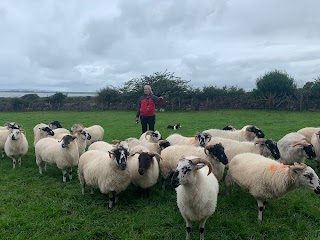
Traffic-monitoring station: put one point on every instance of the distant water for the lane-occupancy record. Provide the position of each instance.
(45, 94)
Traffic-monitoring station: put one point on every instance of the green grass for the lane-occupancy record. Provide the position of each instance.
(43, 207)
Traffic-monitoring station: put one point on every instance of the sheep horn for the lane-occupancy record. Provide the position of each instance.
(195, 161)
(115, 141)
(156, 155)
(302, 142)
(259, 140)
(140, 151)
(206, 148)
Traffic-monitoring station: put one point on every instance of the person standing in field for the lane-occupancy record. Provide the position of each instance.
(147, 109)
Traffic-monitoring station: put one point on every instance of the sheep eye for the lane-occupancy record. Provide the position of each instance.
(309, 176)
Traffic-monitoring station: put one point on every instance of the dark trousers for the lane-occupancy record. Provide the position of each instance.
(145, 121)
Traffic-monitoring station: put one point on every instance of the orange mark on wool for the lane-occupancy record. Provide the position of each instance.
(272, 167)
(154, 144)
(192, 140)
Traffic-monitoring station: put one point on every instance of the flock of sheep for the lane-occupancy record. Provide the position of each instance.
(195, 165)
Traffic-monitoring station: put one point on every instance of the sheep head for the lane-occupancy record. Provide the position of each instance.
(216, 151)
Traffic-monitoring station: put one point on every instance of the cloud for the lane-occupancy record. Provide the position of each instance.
(82, 45)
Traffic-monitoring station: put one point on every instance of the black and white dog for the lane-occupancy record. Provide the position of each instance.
(174, 127)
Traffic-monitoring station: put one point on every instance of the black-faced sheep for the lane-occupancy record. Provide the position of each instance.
(63, 153)
(106, 171)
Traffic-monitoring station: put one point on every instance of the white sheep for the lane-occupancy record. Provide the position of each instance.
(3, 138)
(247, 133)
(63, 153)
(151, 136)
(16, 145)
(265, 178)
(153, 147)
(315, 141)
(143, 167)
(262, 146)
(200, 139)
(60, 131)
(96, 132)
(107, 147)
(294, 147)
(197, 191)
(213, 153)
(308, 131)
(106, 171)
(40, 131)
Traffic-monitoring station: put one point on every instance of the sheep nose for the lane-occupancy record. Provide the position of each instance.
(141, 171)
(13, 138)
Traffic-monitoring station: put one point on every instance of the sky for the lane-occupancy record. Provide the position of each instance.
(82, 45)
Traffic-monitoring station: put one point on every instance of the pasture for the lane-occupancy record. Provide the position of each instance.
(43, 207)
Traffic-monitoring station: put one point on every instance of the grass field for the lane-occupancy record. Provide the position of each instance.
(43, 207)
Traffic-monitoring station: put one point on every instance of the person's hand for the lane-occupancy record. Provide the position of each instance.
(137, 120)
(161, 97)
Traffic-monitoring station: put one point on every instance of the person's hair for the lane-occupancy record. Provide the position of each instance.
(148, 86)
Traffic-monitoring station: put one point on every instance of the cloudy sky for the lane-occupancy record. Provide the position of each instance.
(82, 45)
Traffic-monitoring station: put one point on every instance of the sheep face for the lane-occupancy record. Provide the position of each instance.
(203, 138)
(55, 124)
(184, 172)
(86, 134)
(256, 131)
(15, 134)
(145, 160)
(47, 130)
(307, 177)
(66, 140)
(120, 155)
(156, 136)
(309, 150)
(273, 148)
(163, 144)
(217, 151)
(12, 125)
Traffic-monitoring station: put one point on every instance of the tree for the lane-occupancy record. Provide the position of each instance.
(276, 87)
(162, 83)
(57, 100)
(109, 95)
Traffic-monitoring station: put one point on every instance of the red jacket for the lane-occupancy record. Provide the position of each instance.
(147, 105)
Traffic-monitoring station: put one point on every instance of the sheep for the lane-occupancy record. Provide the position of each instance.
(265, 178)
(213, 153)
(262, 146)
(55, 124)
(41, 131)
(153, 147)
(96, 132)
(4, 133)
(294, 147)
(82, 137)
(197, 191)
(107, 171)
(229, 128)
(63, 153)
(143, 167)
(200, 139)
(308, 131)
(60, 131)
(174, 127)
(16, 145)
(247, 133)
(151, 136)
(106, 147)
(315, 141)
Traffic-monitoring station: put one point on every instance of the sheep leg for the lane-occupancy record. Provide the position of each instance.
(201, 228)
(91, 190)
(111, 200)
(64, 175)
(228, 183)
(2, 154)
(163, 183)
(83, 186)
(117, 198)
(19, 161)
(188, 228)
(13, 163)
(70, 174)
(45, 167)
(261, 207)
